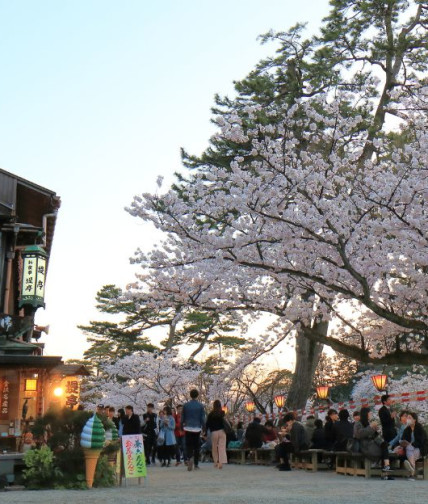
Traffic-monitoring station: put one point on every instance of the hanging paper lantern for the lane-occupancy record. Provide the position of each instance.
(322, 391)
(379, 381)
(279, 401)
(250, 406)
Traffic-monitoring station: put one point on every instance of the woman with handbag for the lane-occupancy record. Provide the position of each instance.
(372, 444)
(216, 423)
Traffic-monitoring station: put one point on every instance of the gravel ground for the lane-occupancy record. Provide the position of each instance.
(236, 484)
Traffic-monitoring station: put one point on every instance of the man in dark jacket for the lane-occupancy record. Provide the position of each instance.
(131, 422)
(193, 421)
(296, 442)
(387, 419)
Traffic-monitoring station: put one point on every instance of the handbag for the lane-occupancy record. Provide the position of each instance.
(161, 438)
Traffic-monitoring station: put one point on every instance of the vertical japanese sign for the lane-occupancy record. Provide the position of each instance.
(41, 277)
(134, 460)
(33, 279)
(72, 393)
(4, 398)
(29, 277)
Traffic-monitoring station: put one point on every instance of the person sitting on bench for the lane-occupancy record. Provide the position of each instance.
(293, 441)
(372, 444)
(414, 441)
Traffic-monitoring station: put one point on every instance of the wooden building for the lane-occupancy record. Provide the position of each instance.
(29, 381)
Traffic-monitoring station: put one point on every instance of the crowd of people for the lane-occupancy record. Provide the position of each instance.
(174, 433)
(183, 434)
(374, 438)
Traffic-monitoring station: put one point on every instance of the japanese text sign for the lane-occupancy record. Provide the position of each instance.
(134, 460)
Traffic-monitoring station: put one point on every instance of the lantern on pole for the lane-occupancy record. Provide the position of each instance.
(33, 277)
(379, 381)
(322, 391)
(279, 401)
(224, 409)
(250, 406)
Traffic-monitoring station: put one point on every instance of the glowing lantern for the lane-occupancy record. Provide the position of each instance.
(322, 391)
(58, 392)
(379, 381)
(250, 406)
(224, 408)
(33, 277)
(31, 385)
(279, 401)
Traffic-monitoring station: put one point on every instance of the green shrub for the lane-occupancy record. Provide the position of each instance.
(41, 470)
(72, 465)
(62, 429)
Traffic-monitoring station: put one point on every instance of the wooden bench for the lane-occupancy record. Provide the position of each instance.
(237, 455)
(258, 456)
(356, 464)
(352, 464)
(311, 460)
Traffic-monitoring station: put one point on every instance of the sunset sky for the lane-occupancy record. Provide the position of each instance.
(97, 97)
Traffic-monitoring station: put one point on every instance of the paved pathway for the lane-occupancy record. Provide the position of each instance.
(236, 484)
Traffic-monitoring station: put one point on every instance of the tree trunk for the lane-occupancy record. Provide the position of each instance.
(307, 356)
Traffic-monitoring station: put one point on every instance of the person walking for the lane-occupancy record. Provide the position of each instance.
(179, 436)
(215, 423)
(166, 432)
(193, 421)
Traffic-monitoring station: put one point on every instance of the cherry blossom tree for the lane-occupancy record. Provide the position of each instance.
(145, 377)
(167, 376)
(328, 207)
(310, 203)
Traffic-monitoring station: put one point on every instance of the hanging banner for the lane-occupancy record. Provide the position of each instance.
(134, 460)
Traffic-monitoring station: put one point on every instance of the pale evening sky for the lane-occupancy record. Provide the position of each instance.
(96, 99)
